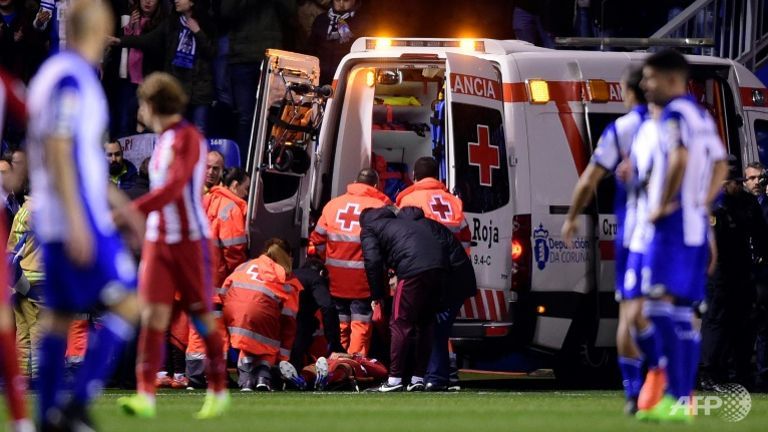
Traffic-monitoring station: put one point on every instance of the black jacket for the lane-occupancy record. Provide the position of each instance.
(198, 81)
(740, 233)
(256, 25)
(330, 52)
(407, 246)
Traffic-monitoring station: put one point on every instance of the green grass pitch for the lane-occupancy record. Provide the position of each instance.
(469, 410)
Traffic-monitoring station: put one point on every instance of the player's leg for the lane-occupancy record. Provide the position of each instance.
(53, 346)
(646, 340)
(9, 371)
(630, 361)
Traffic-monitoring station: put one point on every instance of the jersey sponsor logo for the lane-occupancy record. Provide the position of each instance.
(348, 217)
(441, 208)
(471, 85)
(484, 155)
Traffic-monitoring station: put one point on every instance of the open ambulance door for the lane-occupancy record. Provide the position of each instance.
(478, 172)
(288, 113)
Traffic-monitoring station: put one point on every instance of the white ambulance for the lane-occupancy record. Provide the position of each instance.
(513, 126)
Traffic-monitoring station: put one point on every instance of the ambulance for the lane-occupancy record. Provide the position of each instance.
(512, 126)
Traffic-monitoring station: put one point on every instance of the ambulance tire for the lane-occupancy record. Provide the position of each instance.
(581, 365)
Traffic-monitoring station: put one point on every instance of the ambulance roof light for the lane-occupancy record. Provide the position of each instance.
(378, 44)
(538, 91)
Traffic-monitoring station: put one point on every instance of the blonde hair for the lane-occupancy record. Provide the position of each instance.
(279, 251)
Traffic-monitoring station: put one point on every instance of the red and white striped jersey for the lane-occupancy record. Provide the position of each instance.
(11, 101)
(176, 174)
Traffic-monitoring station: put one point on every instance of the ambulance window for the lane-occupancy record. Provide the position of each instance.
(480, 157)
(761, 137)
(606, 189)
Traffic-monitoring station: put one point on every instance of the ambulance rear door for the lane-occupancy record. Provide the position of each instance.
(478, 172)
(282, 149)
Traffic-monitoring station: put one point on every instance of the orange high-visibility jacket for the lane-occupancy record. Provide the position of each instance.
(260, 307)
(226, 213)
(432, 197)
(337, 239)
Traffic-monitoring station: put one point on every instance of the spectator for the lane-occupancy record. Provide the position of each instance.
(417, 257)
(146, 15)
(187, 41)
(583, 19)
(12, 204)
(526, 20)
(122, 172)
(225, 208)
(22, 49)
(141, 184)
(727, 336)
(755, 182)
(27, 276)
(332, 35)
(214, 170)
(254, 26)
(262, 320)
(316, 296)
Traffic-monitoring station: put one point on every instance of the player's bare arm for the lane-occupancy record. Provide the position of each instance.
(582, 195)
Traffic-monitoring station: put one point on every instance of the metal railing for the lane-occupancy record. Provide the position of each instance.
(739, 29)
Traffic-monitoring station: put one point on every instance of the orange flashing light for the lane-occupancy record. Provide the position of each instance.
(598, 91)
(517, 250)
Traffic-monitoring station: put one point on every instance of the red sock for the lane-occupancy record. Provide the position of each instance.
(216, 370)
(14, 382)
(151, 344)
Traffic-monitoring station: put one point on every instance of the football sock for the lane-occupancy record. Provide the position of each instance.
(150, 357)
(632, 376)
(394, 381)
(417, 380)
(649, 345)
(660, 314)
(51, 372)
(9, 367)
(216, 369)
(106, 344)
(689, 346)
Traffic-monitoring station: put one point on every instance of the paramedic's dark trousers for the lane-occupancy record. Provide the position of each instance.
(413, 313)
(309, 303)
(438, 370)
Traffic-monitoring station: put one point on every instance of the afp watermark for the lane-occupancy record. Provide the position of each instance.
(731, 402)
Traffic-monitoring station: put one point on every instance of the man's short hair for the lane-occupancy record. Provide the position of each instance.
(669, 60)
(425, 167)
(632, 78)
(756, 165)
(368, 176)
(164, 93)
(114, 142)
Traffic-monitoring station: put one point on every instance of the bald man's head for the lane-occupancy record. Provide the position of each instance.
(88, 24)
(368, 176)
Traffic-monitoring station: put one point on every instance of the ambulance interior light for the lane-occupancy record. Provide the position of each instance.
(538, 91)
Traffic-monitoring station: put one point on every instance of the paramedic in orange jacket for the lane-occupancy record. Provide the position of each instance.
(337, 240)
(431, 196)
(226, 208)
(261, 300)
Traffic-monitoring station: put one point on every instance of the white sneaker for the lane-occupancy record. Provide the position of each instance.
(321, 369)
(289, 373)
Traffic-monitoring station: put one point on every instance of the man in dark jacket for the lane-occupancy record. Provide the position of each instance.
(254, 27)
(417, 257)
(314, 278)
(460, 284)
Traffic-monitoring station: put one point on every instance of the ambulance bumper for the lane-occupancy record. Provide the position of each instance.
(480, 330)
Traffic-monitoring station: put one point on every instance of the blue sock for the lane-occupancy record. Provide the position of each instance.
(632, 376)
(660, 314)
(103, 347)
(688, 341)
(649, 345)
(50, 375)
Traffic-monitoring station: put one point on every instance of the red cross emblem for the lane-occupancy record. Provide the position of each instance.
(441, 208)
(484, 155)
(349, 216)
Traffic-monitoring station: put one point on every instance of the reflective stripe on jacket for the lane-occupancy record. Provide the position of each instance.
(337, 239)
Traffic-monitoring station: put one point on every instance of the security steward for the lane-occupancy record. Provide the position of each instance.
(337, 240)
(727, 334)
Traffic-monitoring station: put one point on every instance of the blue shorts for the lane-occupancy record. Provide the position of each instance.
(676, 269)
(73, 289)
(632, 278)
